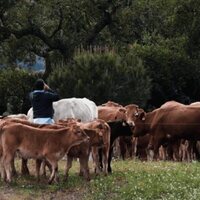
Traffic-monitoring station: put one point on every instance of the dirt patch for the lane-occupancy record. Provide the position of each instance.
(9, 193)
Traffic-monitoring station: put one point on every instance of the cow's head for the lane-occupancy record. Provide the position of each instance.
(79, 134)
(96, 138)
(130, 114)
(120, 113)
(140, 128)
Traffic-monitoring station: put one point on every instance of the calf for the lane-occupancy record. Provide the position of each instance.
(30, 142)
(99, 133)
(112, 111)
(117, 128)
(82, 151)
(24, 167)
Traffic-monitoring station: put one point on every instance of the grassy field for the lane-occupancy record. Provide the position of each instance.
(130, 180)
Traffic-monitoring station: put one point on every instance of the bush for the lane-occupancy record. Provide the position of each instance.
(102, 77)
(15, 84)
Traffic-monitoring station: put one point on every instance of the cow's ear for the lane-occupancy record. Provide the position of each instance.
(122, 110)
(124, 123)
(142, 116)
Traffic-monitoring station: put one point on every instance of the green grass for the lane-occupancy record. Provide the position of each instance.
(155, 180)
(130, 180)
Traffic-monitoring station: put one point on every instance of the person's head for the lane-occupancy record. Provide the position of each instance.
(39, 84)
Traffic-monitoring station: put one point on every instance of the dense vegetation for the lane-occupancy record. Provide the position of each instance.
(149, 49)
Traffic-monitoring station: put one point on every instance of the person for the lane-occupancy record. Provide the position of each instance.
(42, 98)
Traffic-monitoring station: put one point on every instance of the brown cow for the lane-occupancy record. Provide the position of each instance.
(131, 110)
(171, 104)
(30, 142)
(111, 104)
(99, 133)
(81, 151)
(24, 167)
(104, 130)
(112, 111)
(168, 124)
(100, 138)
(142, 152)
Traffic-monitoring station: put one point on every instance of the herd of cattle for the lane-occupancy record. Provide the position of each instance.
(83, 129)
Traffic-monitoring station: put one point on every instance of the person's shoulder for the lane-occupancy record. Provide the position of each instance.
(49, 92)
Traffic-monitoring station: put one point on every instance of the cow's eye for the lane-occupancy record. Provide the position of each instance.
(136, 114)
(79, 133)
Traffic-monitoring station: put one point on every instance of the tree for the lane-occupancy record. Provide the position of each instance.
(186, 21)
(103, 77)
(49, 28)
(174, 75)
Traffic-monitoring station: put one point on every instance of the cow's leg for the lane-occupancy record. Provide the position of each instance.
(46, 163)
(176, 146)
(154, 145)
(67, 167)
(95, 157)
(53, 175)
(197, 150)
(134, 147)
(181, 151)
(3, 172)
(122, 146)
(100, 157)
(14, 171)
(24, 168)
(130, 150)
(150, 152)
(7, 160)
(53, 160)
(84, 167)
(105, 153)
(156, 149)
(109, 160)
(192, 149)
(38, 165)
(43, 167)
(170, 151)
(143, 154)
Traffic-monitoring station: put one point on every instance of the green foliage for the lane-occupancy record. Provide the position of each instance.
(15, 84)
(164, 35)
(186, 21)
(103, 77)
(173, 73)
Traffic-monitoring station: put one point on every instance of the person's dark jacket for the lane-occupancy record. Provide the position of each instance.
(42, 103)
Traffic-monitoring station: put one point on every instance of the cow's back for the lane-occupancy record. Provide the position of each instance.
(79, 108)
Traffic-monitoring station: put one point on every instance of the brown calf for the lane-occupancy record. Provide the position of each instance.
(99, 133)
(30, 142)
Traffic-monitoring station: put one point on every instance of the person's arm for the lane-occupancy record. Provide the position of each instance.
(52, 94)
(46, 87)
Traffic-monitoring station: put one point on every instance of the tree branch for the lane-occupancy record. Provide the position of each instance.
(105, 20)
(59, 24)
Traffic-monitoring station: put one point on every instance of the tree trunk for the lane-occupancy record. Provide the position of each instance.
(48, 67)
